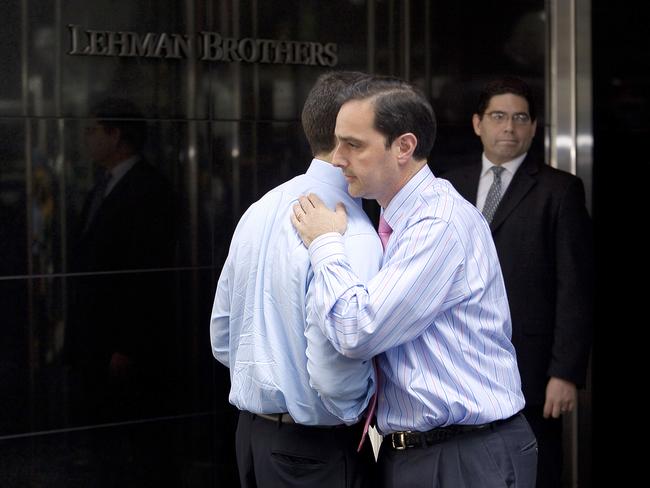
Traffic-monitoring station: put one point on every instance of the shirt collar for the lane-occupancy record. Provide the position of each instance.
(123, 167)
(510, 166)
(404, 200)
(328, 173)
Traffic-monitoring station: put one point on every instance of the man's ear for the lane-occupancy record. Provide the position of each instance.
(405, 147)
(476, 124)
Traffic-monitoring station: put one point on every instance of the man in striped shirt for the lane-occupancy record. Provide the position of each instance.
(436, 316)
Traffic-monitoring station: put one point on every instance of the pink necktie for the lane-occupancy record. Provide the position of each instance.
(370, 413)
(384, 232)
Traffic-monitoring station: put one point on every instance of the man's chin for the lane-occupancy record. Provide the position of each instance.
(354, 191)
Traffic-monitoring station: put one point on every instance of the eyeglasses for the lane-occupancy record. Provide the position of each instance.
(499, 117)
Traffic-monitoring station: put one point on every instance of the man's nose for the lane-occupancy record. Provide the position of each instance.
(338, 158)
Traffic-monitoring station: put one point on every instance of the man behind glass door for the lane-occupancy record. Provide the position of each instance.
(543, 236)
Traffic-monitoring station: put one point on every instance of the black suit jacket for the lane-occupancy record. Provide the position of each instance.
(132, 229)
(544, 240)
(120, 301)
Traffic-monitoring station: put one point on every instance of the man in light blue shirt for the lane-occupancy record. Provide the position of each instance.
(436, 316)
(301, 401)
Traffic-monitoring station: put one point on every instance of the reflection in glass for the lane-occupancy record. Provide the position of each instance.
(119, 321)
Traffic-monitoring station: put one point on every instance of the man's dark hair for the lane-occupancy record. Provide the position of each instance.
(503, 86)
(122, 114)
(399, 108)
(322, 106)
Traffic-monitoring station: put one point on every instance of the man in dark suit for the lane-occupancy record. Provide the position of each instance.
(119, 322)
(544, 240)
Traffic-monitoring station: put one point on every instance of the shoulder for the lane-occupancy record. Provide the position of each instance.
(535, 166)
(557, 184)
(557, 176)
(442, 208)
(145, 169)
(147, 184)
(441, 200)
(464, 178)
(269, 204)
(558, 192)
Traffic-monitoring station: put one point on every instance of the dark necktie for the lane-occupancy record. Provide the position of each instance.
(97, 197)
(384, 232)
(494, 194)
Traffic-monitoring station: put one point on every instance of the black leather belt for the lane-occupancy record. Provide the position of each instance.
(283, 418)
(407, 439)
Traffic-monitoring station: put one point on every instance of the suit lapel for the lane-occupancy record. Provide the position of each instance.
(525, 178)
(116, 198)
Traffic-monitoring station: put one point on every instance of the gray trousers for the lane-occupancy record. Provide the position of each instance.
(502, 455)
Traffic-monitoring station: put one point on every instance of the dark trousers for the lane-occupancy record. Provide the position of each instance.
(271, 454)
(502, 455)
(549, 442)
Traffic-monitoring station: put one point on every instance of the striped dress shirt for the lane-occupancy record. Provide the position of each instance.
(436, 315)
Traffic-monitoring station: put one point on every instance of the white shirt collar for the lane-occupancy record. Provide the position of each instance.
(510, 166)
(119, 170)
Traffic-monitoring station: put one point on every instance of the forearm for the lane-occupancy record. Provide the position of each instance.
(220, 322)
(396, 306)
(344, 385)
(219, 340)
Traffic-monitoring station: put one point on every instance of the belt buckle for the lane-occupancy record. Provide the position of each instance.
(398, 439)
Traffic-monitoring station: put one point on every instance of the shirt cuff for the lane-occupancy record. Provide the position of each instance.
(326, 248)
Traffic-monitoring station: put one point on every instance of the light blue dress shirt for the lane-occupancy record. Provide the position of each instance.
(279, 361)
(436, 314)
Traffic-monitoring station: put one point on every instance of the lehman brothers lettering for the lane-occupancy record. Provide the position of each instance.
(207, 46)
